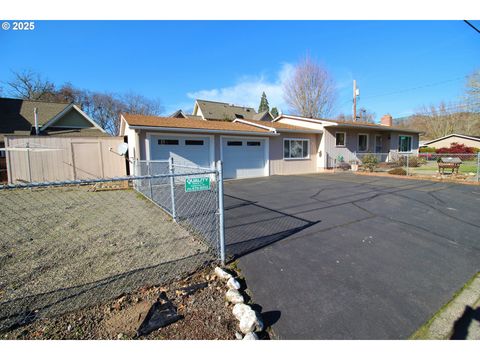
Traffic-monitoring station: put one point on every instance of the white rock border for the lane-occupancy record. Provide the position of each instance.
(249, 321)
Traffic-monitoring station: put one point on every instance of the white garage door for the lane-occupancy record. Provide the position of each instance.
(244, 158)
(185, 150)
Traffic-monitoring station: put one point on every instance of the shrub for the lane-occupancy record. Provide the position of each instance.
(456, 148)
(427, 149)
(370, 162)
(397, 171)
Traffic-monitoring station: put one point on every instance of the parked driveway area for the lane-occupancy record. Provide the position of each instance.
(344, 256)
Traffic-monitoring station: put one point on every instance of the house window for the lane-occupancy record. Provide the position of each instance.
(234, 143)
(253, 143)
(404, 143)
(340, 138)
(362, 142)
(2, 152)
(193, 142)
(168, 142)
(296, 149)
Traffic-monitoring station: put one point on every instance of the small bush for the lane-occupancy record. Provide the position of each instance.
(427, 149)
(370, 162)
(397, 171)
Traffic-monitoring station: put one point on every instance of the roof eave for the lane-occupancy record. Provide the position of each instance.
(194, 130)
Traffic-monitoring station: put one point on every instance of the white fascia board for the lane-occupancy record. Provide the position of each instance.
(209, 131)
(257, 125)
(318, 121)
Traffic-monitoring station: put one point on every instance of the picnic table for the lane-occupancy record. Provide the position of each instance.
(449, 163)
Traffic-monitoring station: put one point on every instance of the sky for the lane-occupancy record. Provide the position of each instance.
(399, 66)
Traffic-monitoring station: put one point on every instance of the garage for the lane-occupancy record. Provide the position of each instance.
(244, 157)
(187, 150)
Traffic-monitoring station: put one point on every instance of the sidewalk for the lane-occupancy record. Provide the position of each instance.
(457, 320)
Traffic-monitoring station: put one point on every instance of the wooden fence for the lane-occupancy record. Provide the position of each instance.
(49, 158)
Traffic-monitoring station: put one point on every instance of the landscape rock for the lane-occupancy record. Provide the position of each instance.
(222, 274)
(232, 283)
(238, 335)
(234, 296)
(250, 336)
(239, 310)
(250, 322)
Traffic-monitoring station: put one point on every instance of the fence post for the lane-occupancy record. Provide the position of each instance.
(171, 170)
(478, 166)
(221, 214)
(407, 155)
(149, 180)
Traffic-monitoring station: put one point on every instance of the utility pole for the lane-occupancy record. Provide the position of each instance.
(354, 100)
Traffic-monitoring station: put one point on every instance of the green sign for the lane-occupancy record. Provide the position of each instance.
(197, 184)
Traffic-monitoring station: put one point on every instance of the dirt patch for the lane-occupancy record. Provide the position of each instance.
(205, 315)
(64, 248)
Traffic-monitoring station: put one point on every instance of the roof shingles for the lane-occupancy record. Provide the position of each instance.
(189, 123)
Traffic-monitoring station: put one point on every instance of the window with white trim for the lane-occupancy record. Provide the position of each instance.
(296, 149)
(362, 142)
(404, 143)
(340, 138)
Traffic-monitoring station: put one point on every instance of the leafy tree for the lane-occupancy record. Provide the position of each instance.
(264, 106)
(274, 112)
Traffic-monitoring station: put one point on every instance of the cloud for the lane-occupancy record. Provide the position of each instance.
(248, 90)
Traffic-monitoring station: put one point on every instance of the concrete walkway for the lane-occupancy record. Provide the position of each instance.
(457, 320)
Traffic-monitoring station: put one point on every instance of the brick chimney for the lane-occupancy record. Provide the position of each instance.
(386, 120)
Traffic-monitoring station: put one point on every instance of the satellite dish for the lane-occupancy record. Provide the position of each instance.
(122, 149)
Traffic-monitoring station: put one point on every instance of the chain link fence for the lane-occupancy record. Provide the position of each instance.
(71, 244)
(463, 167)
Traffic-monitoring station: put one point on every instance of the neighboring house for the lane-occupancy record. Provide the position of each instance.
(214, 110)
(446, 141)
(252, 148)
(17, 117)
(28, 117)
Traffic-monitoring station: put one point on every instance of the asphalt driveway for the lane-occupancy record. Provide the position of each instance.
(343, 256)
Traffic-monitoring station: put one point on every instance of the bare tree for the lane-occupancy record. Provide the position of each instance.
(310, 91)
(440, 120)
(29, 85)
(103, 107)
(472, 91)
(134, 103)
(366, 115)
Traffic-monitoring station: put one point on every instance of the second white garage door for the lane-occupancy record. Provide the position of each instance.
(244, 158)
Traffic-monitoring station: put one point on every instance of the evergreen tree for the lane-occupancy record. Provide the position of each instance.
(274, 112)
(263, 103)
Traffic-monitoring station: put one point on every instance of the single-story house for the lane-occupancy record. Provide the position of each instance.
(252, 148)
(446, 141)
(29, 117)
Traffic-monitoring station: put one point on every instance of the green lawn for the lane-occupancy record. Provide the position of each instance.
(432, 167)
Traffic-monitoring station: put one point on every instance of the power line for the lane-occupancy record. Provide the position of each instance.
(471, 25)
(411, 89)
(453, 107)
(416, 87)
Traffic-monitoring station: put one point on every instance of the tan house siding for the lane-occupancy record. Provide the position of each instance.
(280, 166)
(455, 139)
